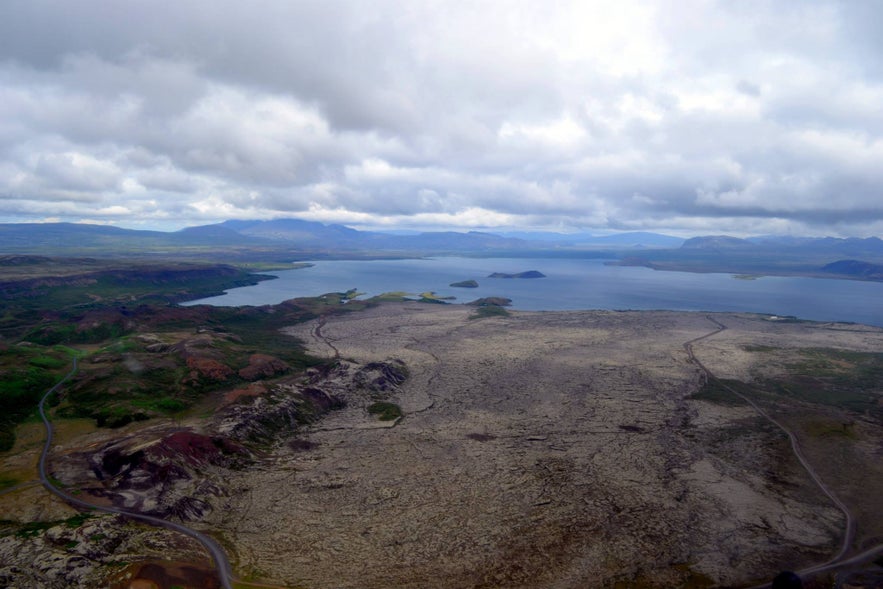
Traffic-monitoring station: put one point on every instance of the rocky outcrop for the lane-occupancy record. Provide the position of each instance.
(465, 284)
(281, 412)
(164, 477)
(381, 377)
(79, 554)
(277, 414)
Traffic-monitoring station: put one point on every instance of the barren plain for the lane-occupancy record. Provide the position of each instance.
(557, 449)
(451, 446)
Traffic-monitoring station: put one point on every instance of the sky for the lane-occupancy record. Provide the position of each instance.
(688, 117)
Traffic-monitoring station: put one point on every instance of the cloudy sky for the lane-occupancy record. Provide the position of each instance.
(681, 116)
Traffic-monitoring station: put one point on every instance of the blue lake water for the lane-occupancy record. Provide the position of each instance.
(572, 284)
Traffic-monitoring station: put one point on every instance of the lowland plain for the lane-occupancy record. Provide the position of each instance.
(567, 449)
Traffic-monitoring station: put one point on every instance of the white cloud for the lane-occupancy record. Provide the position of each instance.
(695, 116)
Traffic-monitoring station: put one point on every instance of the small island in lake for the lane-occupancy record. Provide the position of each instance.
(465, 284)
(528, 274)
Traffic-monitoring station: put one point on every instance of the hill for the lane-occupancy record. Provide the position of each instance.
(770, 255)
(855, 269)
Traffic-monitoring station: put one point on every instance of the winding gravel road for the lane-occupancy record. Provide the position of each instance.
(222, 564)
(838, 560)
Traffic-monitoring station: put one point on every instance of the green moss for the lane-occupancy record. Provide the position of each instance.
(385, 411)
(75, 521)
(717, 391)
(489, 311)
(47, 362)
(7, 481)
(829, 429)
(758, 348)
(32, 529)
(117, 416)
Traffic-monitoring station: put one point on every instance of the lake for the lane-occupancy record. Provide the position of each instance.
(573, 284)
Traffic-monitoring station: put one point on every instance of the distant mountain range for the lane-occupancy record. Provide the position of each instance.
(291, 239)
(851, 246)
(307, 236)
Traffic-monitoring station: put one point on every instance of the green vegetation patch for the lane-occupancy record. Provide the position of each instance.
(385, 411)
(26, 373)
(181, 353)
(829, 429)
(839, 378)
(32, 529)
(390, 297)
(718, 391)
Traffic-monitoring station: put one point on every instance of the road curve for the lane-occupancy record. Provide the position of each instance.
(838, 559)
(222, 564)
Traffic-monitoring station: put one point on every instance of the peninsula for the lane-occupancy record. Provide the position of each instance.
(528, 274)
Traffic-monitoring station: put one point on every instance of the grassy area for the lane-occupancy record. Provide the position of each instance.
(390, 297)
(838, 378)
(26, 372)
(489, 311)
(145, 356)
(842, 379)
